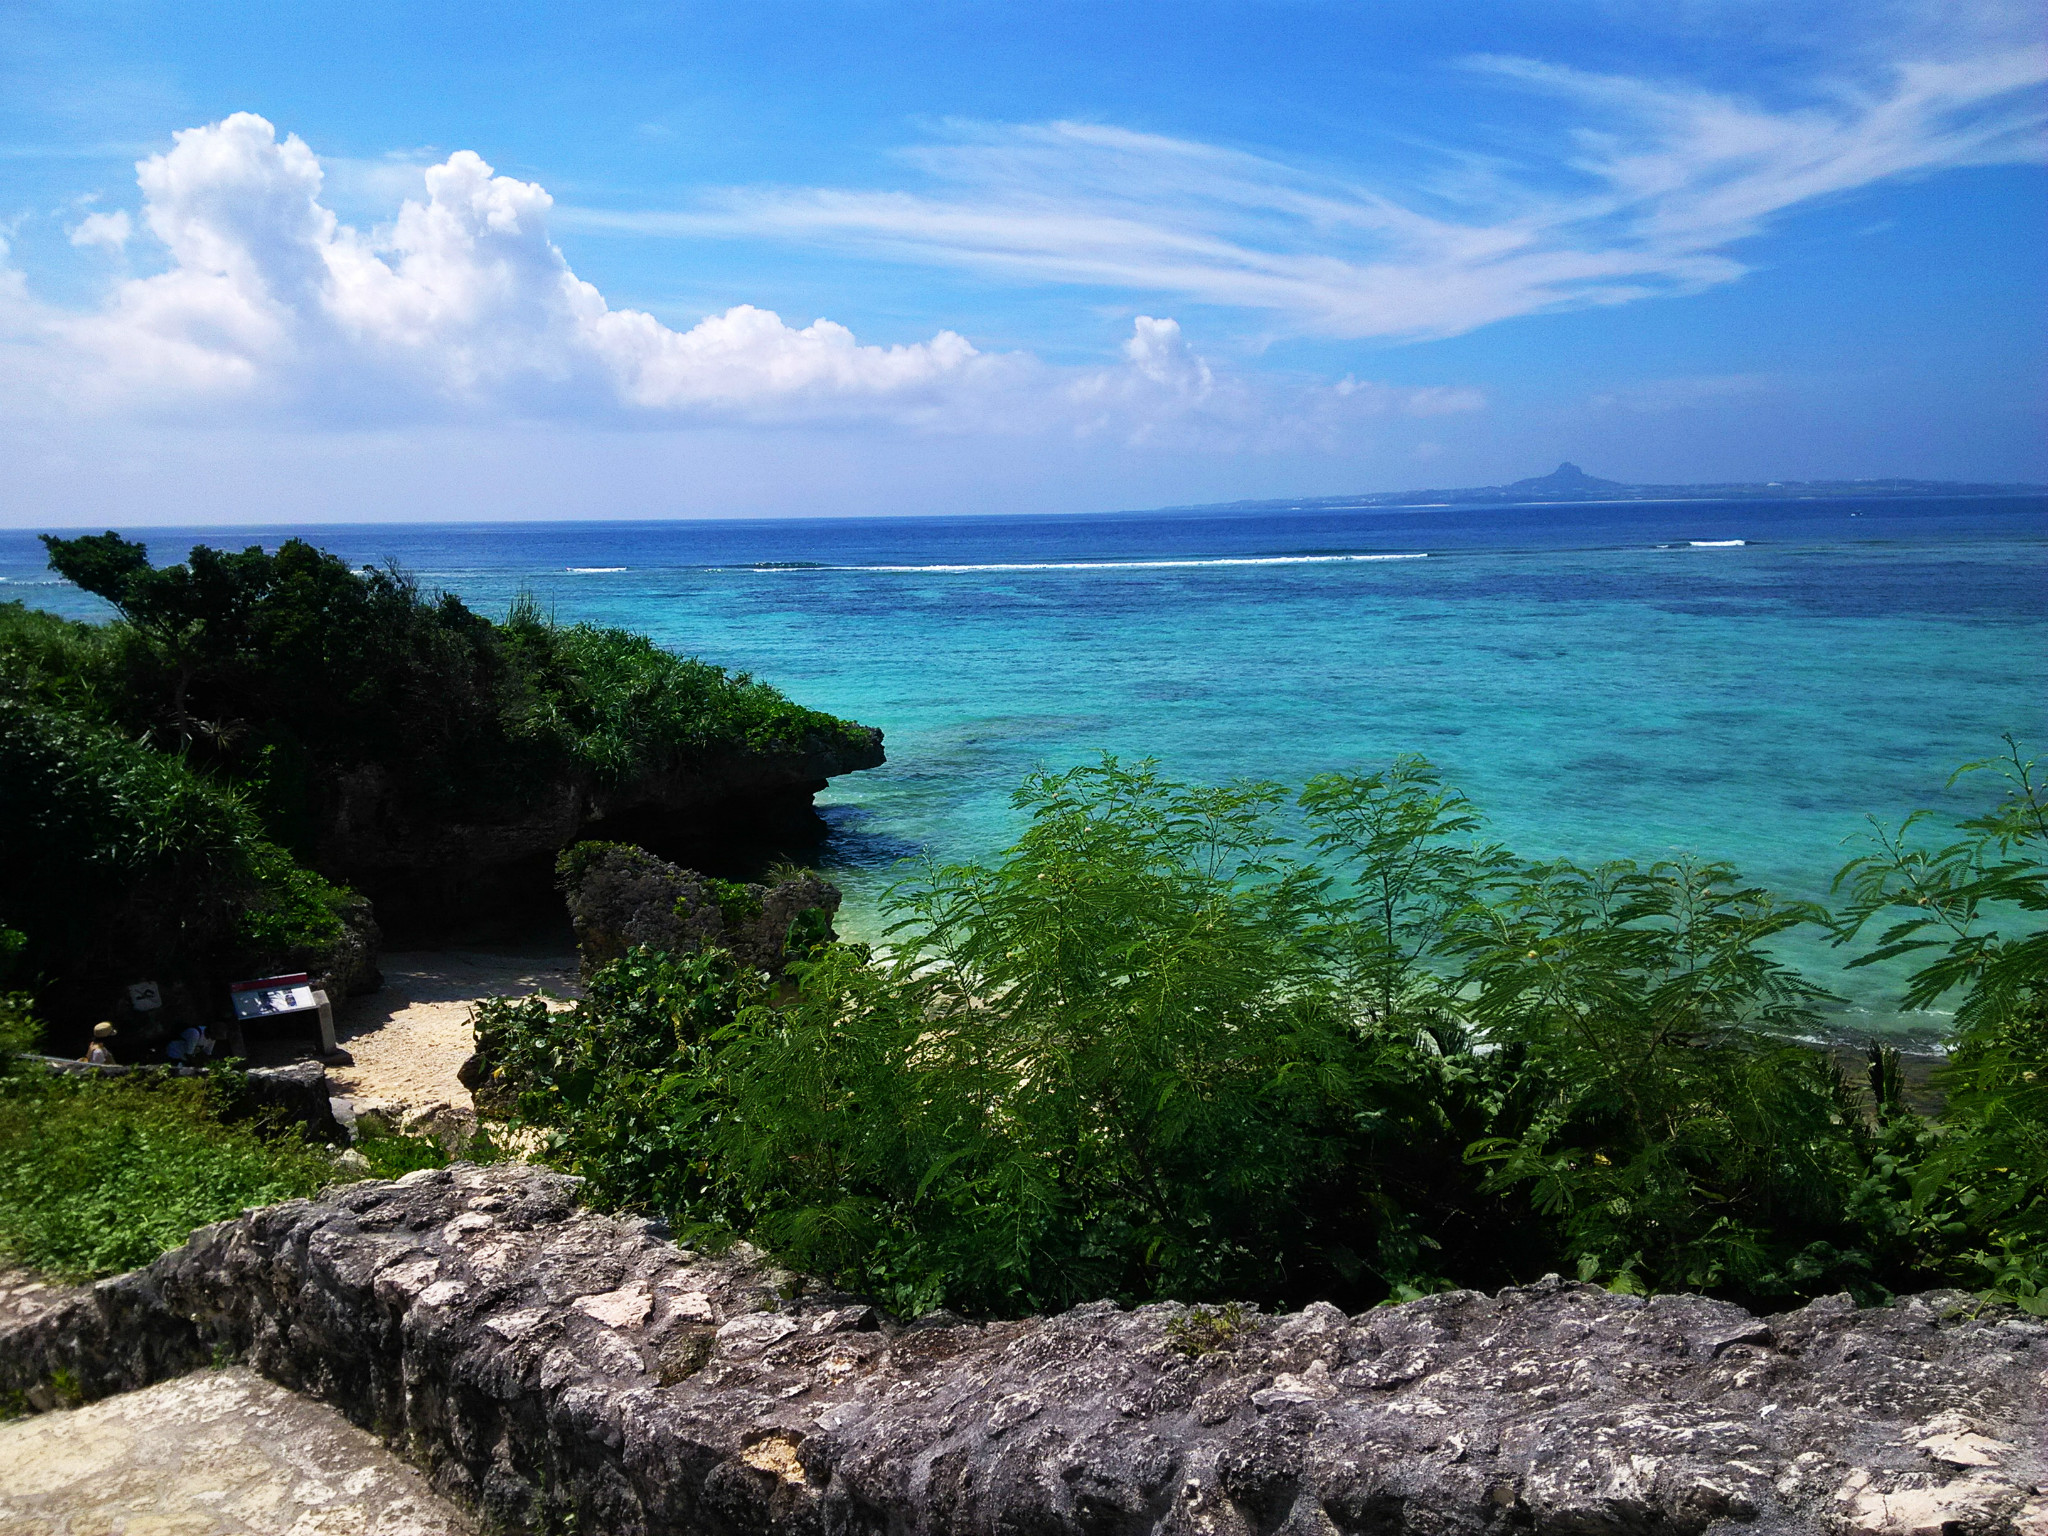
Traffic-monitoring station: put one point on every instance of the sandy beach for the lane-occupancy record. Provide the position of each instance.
(411, 1038)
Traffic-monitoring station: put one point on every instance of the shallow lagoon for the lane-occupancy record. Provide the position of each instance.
(1606, 680)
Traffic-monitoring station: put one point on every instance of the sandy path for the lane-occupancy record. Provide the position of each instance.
(216, 1453)
(409, 1039)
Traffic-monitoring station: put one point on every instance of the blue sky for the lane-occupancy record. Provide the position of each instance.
(365, 262)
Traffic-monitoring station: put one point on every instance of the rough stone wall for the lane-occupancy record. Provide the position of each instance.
(541, 1362)
(297, 1094)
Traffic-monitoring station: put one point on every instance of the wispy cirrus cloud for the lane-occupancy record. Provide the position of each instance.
(1645, 188)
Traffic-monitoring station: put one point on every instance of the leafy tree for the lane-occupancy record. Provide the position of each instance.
(1671, 1133)
(1948, 898)
(1397, 835)
(1156, 1050)
(1970, 1197)
(1208, 1043)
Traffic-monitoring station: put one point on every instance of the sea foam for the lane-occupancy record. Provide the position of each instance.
(1135, 565)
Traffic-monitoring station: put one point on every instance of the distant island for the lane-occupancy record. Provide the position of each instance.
(1570, 483)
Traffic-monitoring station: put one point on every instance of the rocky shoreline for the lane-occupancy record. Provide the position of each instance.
(542, 1363)
(419, 872)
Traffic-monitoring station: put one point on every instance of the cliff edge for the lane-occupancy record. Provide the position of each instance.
(419, 868)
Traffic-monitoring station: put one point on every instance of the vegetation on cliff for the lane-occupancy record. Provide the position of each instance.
(283, 669)
(174, 778)
(120, 862)
(1197, 1042)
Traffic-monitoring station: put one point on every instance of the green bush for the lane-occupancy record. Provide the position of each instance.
(101, 1175)
(284, 669)
(1231, 1043)
(20, 1033)
(1967, 1199)
(291, 908)
(1667, 1133)
(392, 1154)
(622, 1083)
(56, 662)
(623, 707)
(119, 861)
(1228, 1042)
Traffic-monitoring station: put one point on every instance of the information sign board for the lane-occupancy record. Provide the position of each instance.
(269, 996)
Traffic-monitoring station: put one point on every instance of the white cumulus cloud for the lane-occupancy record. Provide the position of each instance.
(463, 301)
(463, 307)
(110, 230)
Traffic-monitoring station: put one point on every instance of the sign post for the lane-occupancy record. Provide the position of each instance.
(270, 997)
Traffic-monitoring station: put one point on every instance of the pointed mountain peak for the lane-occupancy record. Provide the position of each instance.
(1566, 477)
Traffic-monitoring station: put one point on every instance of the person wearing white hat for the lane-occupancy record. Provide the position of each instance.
(100, 1053)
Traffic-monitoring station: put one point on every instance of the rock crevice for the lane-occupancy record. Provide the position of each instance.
(541, 1361)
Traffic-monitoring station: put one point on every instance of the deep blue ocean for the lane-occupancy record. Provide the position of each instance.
(1739, 680)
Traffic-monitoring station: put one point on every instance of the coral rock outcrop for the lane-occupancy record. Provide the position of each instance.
(421, 868)
(621, 896)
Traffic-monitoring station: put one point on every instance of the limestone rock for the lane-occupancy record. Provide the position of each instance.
(294, 1094)
(621, 896)
(215, 1453)
(545, 1363)
(451, 1127)
(421, 870)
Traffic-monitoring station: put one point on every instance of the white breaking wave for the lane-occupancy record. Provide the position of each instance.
(1140, 565)
(593, 570)
(1717, 543)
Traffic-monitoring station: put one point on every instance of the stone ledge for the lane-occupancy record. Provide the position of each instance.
(296, 1092)
(540, 1361)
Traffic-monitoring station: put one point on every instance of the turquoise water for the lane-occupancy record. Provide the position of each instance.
(1605, 681)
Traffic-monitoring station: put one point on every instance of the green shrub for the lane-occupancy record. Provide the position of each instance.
(392, 1154)
(1668, 1134)
(55, 662)
(621, 1083)
(1158, 1051)
(20, 1032)
(291, 908)
(1967, 1200)
(112, 855)
(101, 1175)
(119, 861)
(624, 707)
(1227, 1043)
(286, 668)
